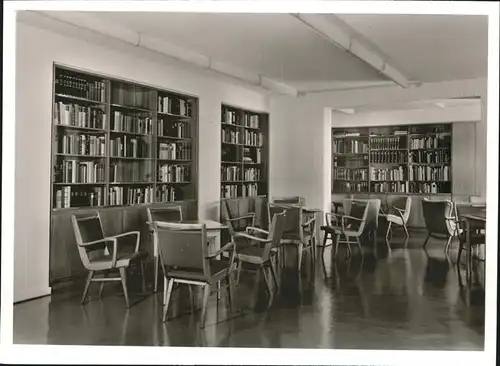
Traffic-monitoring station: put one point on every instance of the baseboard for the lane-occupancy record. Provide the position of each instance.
(32, 295)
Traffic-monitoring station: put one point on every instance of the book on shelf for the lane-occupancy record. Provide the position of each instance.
(165, 193)
(229, 117)
(129, 171)
(178, 129)
(251, 120)
(350, 147)
(390, 187)
(250, 190)
(428, 173)
(230, 136)
(173, 173)
(229, 190)
(252, 138)
(252, 174)
(174, 150)
(230, 173)
(130, 147)
(76, 115)
(428, 188)
(76, 143)
(388, 157)
(430, 157)
(388, 143)
(429, 142)
(122, 122)
(174, 105)
(393, 174)
(71, 84)
(342, 173)
(66, 197)
(75, 171)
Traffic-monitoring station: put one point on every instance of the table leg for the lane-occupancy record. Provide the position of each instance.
(156, 260)
(468, 248)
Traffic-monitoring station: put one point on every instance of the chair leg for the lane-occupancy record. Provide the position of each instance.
(358, 241)
(337, 240)
(143, 277)
(156, 269)
(448, 243)
(268, 285)
(87, 285)
(348, 247)
(191, 297)
(206, 294)
(300, 249)
(406, 231)
(388, 232)
(102, 284)
(165, 285)
(426, 240)
(218, 290)
(167, 296)
(123, 275)
(274, 274)
(238, 274)
(230, 292)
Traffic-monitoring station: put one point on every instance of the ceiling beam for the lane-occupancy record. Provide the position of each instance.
(136, 39)
(337, 34)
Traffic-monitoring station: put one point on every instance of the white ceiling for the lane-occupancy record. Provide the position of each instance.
(427, 48)
(277, 46)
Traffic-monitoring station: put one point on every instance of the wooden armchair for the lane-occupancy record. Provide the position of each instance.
(398, 215)
(102, 254)
(185, 260)
(440, 220)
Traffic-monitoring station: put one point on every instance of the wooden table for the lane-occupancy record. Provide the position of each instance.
(213, 231)
(476, 220)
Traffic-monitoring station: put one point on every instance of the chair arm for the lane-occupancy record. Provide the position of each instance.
(228, 247)
(400, 213)
(109, 238)
(251, 237)
(350, 218)
(136, 233)
(309, 222)
(245, 216)
(261, 231)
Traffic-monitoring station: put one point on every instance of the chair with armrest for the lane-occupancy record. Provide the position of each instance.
(398, 215)
(185, 260)
(164, 214)
(259, 253)
(297, 231)
(477, 236)
(440, 220)
(102, 254)
(354, 224)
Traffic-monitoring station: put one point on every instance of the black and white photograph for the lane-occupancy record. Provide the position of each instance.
(250, 182)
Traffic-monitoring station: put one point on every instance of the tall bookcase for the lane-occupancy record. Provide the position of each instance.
(244, 153)
(118, 147)
(118, 143)
(412, 159)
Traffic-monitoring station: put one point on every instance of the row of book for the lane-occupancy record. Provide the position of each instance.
(251, 155)
(173, 173)
(74, 85)
(130, 195)
(79, 116)
(174, 150)
(388, 157)
(68, 196)
(252, 138)
(428, 173)
(75, 171)
(434, 187)
(350, 187)
(129, 171)
(131, 147)
(251, 120)
(388, 143)
(350, 174)
(166, 193)
(357, 162)
(233, 190)
(429, 129)
(230, 173)
(230, 117)
(349, 147)
(390, 187)
(252, 174)
(173, 129)
(429, 142)
(430, 157)
(394, 174)
(76, 143)
(132, 96)
(174, 105)
(230, 137)
(122, 122)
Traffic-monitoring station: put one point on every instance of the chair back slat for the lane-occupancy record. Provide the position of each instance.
(183, 246)
(165, 214)
(275, 233)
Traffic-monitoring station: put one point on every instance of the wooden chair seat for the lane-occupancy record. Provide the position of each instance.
(253, 255)
(101, 263)
(218, 269)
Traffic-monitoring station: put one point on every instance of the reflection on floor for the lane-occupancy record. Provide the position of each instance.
(404, 299)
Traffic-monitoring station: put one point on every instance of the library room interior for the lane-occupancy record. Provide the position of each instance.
(250, 180)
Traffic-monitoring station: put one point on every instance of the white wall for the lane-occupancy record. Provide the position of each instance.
(303, 122)
(36, 51)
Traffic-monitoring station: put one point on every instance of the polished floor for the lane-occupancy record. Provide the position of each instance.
(407, 298)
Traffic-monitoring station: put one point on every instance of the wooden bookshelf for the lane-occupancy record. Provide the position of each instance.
(118, 143)
(118, 147)
(412, 159)
(244, 153)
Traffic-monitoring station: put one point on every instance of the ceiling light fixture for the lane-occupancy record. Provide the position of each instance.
(340, 38)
